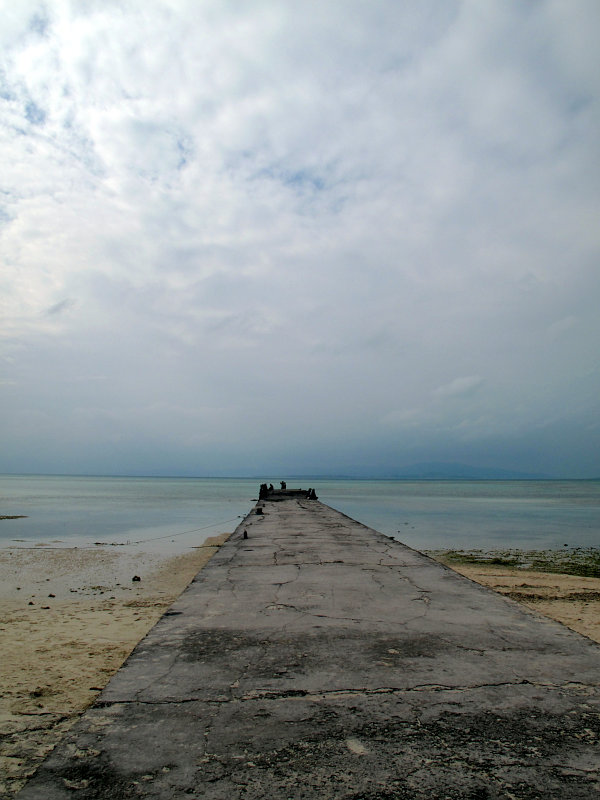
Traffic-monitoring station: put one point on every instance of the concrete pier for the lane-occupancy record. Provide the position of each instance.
(318, 658)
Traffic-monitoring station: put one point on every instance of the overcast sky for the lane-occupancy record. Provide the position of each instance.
(299, 236)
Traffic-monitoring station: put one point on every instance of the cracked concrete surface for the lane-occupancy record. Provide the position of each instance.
(319, 659)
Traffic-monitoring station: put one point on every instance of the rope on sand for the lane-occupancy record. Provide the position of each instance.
(193, 530)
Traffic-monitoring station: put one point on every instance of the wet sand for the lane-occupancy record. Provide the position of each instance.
(69, 618)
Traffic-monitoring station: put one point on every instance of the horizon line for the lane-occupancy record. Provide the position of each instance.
(305, 476)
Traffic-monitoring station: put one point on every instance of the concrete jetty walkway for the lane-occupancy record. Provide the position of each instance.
(320, 659)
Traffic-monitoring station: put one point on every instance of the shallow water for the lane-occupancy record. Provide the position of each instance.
(470, 514)
(173, 514)
(168, 514)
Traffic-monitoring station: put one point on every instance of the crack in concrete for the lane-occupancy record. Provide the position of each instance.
(371, 620)
(314, 614)
(159, 678)
(305, 563)
(452, 643)
(292, 580)
(312, 695)
(383, 586)
(230, 581)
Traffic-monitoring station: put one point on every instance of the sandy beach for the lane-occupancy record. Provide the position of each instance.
(69, 618)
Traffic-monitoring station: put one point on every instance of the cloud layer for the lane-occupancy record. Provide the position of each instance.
(342, 236)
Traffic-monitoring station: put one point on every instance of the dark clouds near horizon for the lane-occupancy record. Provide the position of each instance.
(242, 238)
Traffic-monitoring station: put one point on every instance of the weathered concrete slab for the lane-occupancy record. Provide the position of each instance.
(320, 659)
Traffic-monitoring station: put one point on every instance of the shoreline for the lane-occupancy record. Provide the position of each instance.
(70, 617)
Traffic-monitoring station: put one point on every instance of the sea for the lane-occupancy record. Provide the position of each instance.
(171, 515)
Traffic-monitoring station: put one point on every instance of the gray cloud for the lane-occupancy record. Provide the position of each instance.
(459, 387)
(60, 307)
(371, 231)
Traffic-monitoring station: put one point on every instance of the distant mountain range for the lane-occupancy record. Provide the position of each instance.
(440, 471)
(443, 471)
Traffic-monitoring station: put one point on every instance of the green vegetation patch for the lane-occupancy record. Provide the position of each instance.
(569, 561)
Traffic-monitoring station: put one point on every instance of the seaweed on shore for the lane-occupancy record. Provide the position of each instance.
(583, 561)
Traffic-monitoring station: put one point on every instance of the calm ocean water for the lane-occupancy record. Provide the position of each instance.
(172, 514)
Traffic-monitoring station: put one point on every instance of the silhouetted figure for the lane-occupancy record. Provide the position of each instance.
(283, 485)
(271, 489)
(264, 491)
(312, 495)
